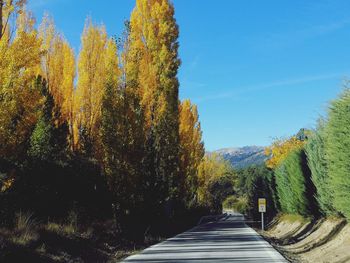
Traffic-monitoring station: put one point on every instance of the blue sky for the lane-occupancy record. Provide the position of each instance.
(257, 69)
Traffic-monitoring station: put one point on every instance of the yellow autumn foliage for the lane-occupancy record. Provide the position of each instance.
(191, 146)
(58, 69)
(280, 149)
(154, 61)
(97, 65)
(57, 66)
(19, 63)
(211, 168)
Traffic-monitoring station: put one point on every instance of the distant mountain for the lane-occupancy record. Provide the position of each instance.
(244, 156)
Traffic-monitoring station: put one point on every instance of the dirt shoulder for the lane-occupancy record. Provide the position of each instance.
(305, 240)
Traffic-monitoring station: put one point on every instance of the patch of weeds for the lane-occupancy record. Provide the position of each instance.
(41, 249)
(25, 230)
(294, 218)
(71, 226)
(53, 227)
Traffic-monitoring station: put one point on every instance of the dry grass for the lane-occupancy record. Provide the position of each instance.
(25, 230)
(70, 227)
(53, 227)
(41, 249)
(65, 229)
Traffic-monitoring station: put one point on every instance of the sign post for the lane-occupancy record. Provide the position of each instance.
(262, 210)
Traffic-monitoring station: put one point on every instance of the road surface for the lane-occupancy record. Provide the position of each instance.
(228, 240)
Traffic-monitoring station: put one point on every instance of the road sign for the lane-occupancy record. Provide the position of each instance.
(262, 205)
(262, 210)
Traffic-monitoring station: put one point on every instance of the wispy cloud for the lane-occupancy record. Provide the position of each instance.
(281, 40)
(280, 83)
(194, 62)
(189, 84)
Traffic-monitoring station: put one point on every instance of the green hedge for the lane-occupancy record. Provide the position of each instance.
(295, 189)
(337, 150)
(315, 151)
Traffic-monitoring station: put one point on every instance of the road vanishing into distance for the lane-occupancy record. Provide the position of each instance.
(227, 240)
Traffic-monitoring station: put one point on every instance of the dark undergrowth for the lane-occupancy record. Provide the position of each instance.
(52, 242)
(31, 240)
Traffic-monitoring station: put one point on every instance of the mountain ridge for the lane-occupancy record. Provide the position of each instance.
(242, 157)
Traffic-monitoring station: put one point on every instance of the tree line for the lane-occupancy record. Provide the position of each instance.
(306, 174)
(104, 132)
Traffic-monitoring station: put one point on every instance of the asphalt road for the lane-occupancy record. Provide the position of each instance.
(228, 240)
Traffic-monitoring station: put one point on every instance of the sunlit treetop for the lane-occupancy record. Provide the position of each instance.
(280, 149)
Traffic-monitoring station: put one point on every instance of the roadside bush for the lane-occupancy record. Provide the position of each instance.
(337, 150)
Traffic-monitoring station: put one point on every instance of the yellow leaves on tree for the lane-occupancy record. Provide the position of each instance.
(57, 66)
(191, 146)
(97, 64)
(280, 149)
(9, 10)
(152, 70)
(212, 167)
(7, 184)
(58, 69)
(111, 62)
(90, 76)
(19, 99)
(154, 34)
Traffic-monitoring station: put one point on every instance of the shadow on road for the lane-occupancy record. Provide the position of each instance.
(228, 240)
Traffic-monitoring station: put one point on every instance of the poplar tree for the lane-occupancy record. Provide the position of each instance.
(154, 48)
(58, 69)
(19, 99)
(191, 150)
(122, 138)
(113, 134)
(90, 86)
(132, 122)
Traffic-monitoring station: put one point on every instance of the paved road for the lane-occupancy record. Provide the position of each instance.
(228, 240)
